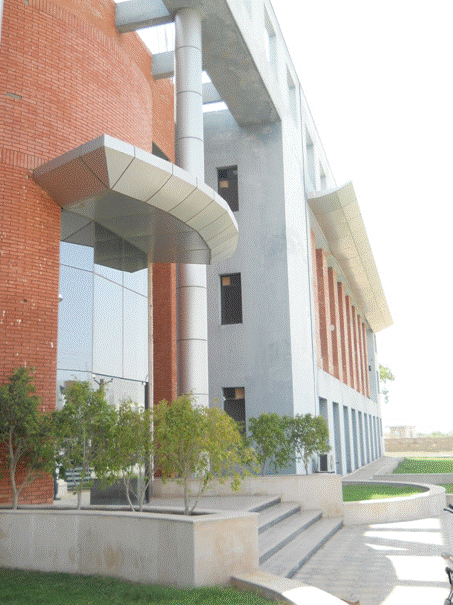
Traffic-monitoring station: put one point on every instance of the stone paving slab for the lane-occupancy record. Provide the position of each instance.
(389, 563)
(275, 514)
(290, 558)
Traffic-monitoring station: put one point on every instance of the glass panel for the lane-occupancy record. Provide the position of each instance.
(118, 390)
(63, 378)
(77, 256)
(135, 336)
(137, 281)
(107, 328)
(75, 319)
(108, 255)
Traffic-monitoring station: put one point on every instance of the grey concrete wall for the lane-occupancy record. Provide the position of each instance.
(368, 442)
(420, 444)
(255, 354)
(167, 549)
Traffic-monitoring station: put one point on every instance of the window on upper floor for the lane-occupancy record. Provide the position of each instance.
(231, 298)
(270, 42)
(234, 404)
(227, 181)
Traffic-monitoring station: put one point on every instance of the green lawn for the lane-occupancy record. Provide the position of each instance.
(424, 465)
(448, 488)
(35, 588)
(354, 493)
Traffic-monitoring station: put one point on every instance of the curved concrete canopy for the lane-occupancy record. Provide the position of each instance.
(338, 214)
(154, 205)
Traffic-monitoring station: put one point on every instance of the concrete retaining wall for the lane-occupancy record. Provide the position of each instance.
(318, 491)
(388, 510)
(168, 549)
(420, 444)
(427, 478)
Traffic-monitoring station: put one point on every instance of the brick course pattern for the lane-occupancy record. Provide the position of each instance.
(66, 76)
(340, 331)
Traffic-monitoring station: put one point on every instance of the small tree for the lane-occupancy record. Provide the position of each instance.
(25, 431)
(309, 435)
(269, 435)
(127, 453)
(196, 442)
(385, 376)
(82, 428)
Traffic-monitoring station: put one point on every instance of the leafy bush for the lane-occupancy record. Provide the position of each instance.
(128, 451)
(83, 428)
(194, 442)
(309, 435)
(25, 431)
(279, 440)
(270, 437)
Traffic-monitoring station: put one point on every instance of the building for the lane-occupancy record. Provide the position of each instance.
(87, 118)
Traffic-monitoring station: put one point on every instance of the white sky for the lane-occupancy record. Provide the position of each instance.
(378, 79)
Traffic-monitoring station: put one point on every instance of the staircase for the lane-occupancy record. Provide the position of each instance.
(288, 537)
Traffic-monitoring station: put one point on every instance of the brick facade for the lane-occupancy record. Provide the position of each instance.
(341, 334)
(66, 76)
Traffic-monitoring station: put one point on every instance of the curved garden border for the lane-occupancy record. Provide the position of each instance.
(387, 510)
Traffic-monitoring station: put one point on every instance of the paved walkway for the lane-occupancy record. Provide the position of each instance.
(382, 564)
(391, 564)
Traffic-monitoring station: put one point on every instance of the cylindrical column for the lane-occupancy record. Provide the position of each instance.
(189, 148)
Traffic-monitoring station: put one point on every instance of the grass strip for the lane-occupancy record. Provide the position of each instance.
(448, 488)
(424, 465)
(18, 587)
(355, 493)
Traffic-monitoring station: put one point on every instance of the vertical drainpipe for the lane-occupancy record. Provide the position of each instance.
(189, 149)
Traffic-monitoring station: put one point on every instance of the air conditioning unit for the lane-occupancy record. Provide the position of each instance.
(326, 463)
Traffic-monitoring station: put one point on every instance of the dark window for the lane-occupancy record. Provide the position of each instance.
(234, 404)
(231, 298)
(228, 186)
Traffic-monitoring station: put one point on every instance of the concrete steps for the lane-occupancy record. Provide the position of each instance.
(288, 537)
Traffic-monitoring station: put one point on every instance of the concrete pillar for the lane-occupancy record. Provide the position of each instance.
(189, 151)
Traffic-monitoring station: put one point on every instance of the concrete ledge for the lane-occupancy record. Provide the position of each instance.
(152, 547)
(318, 491)
(418, 506)
(283, 590)
(426, 478)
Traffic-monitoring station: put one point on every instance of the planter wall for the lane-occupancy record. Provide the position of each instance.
(388, 510)
(163, 548)
(318, 491)
(430, 478)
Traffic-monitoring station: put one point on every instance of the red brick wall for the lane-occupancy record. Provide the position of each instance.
(336, 333)
(66, 76)
(324, 311)
(341, 333)
(165, 338)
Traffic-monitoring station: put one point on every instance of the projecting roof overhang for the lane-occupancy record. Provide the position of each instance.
(338, 215)
(154, 205)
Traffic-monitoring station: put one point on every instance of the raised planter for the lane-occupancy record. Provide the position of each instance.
(425, 478)
(152, 547)
(387, 510)
(321, 491)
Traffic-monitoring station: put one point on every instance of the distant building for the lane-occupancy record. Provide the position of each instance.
(400, 432)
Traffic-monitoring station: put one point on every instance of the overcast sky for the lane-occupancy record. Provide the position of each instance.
(378, 79)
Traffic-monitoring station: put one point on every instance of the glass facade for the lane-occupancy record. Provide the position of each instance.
(103, 313)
